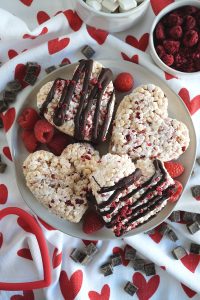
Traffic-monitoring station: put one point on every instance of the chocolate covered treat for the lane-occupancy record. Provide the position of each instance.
(81, 107)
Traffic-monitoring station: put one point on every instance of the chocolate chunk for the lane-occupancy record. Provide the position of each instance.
(116, 259)
(87, 51)
(50, 69)
(196, 191)
(9, 96)
(138, 264)
(91, 249)
(130, 253)
(198, 160)
(14, 86)
(179, 252)
(172, 235)
(197, 218)
(1, 123)
(3, 106)
(149, 269)
(188, 216)
(130, 288)
(194, 227)
(30, 78)
(195, 248)
(175, 216)
(163, 229)
(32, 67)
(2, 167)
(77, 255)
(107, 269)
(86, 259)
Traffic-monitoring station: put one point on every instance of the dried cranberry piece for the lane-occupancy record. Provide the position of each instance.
(189, 9)
(179, 60)
(168, 59)
(190, 22)
(191, 38)
(171, 47)
(160, 50)
(160, 32)
(174, 19)
(176, 32)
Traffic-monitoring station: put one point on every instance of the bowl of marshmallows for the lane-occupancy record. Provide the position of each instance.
(111, 15)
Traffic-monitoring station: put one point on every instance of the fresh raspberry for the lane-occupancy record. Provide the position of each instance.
(160, 32)
(174, 169)
(168, 59)
(171, 47)
(44, 131)
(174, 19)
(191, 38)
(58, 143)
(190, 22)
(176, 32)
(124, 82)
(160, 50)
(28, 118)
(92, 222)
(29, 140)
(177, 192)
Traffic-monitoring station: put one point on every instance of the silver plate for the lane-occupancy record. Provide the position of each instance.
(177, 110)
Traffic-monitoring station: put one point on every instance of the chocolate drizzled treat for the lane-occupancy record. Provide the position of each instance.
(129, 194)
(81, 107)
(142, 128)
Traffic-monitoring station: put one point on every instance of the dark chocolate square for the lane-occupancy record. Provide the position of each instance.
(86, 259)
(50, 69)
(138, 264)
(197, 218)
(87, 51)
(32, 67)
(91, 249)
(3, 106)
(188, 216)
(30, 78)
(195, 248)
(107, 269)
(130, 288)
(14, 86)
(175, 216)
(179, 252)
(149, 269)
(2, 167)
(9, 96)
(77, 255)
(163, 229)
(196, 191)
(172, 235)
(193, 228)
(130, 253)
(116, 259)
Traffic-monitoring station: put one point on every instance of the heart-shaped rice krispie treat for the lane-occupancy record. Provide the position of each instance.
(128, 194)
(81, 107)
(61, 183)
(142, 128)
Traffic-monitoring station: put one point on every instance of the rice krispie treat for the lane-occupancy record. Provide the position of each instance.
(81, 107)
(61, 183)
(142, 128)
(129, 194)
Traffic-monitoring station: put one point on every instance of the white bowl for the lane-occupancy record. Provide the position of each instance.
(153, 52)
(111, 22)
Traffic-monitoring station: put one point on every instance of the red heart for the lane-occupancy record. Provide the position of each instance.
(35, 228)
(27, 2)
(141, 44)
(191, 261)
(70, 287)
(97, 34)
(157, 6)
(12, 53)
(121, 251)
(32, 37)
(57, 45)
(3, 194)
(57, 258)
(134, 59)
(157, 236)
(6, 152)
(146, 289)
(169, 76)
(74, 20)
(190, 293)
(163, 268)
(86, 242)
(192, 105)
(42, 17)
(8, 118)
(27, 295)
(25, 253)
(47, 226)
(104, 295)
(65, 61)
(1, 239)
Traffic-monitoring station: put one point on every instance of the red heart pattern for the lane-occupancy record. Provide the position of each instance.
(3, 194)
(104, 295)
(8, 118)
(156, 236)
(134, 59)
(25, 253)
(74, 20)
(6, 152)
(27, 2)
(192, 104)
(24, 225)
(1, 239)
(57, 45)
(47, 226)
(86, 242)
(98, 35)
(191, 261)
(66, 60)
(27, 295)
(140, 44)
(32, 37)
(57, 258)
(146, 289)
(157, 6)
(42, 17)
(169, 76)
(70, 287)
(190, 293)
(121, 251)
(12, 53)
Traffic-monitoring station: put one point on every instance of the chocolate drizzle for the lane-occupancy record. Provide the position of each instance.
(91, 94)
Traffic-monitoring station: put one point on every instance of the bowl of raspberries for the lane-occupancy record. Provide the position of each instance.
(175, 38)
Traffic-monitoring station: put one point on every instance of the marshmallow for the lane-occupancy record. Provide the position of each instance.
(94, 4)
(110, 5)
(126, 5)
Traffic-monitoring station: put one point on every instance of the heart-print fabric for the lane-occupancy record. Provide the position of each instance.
(143, 129)
(61, 183)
